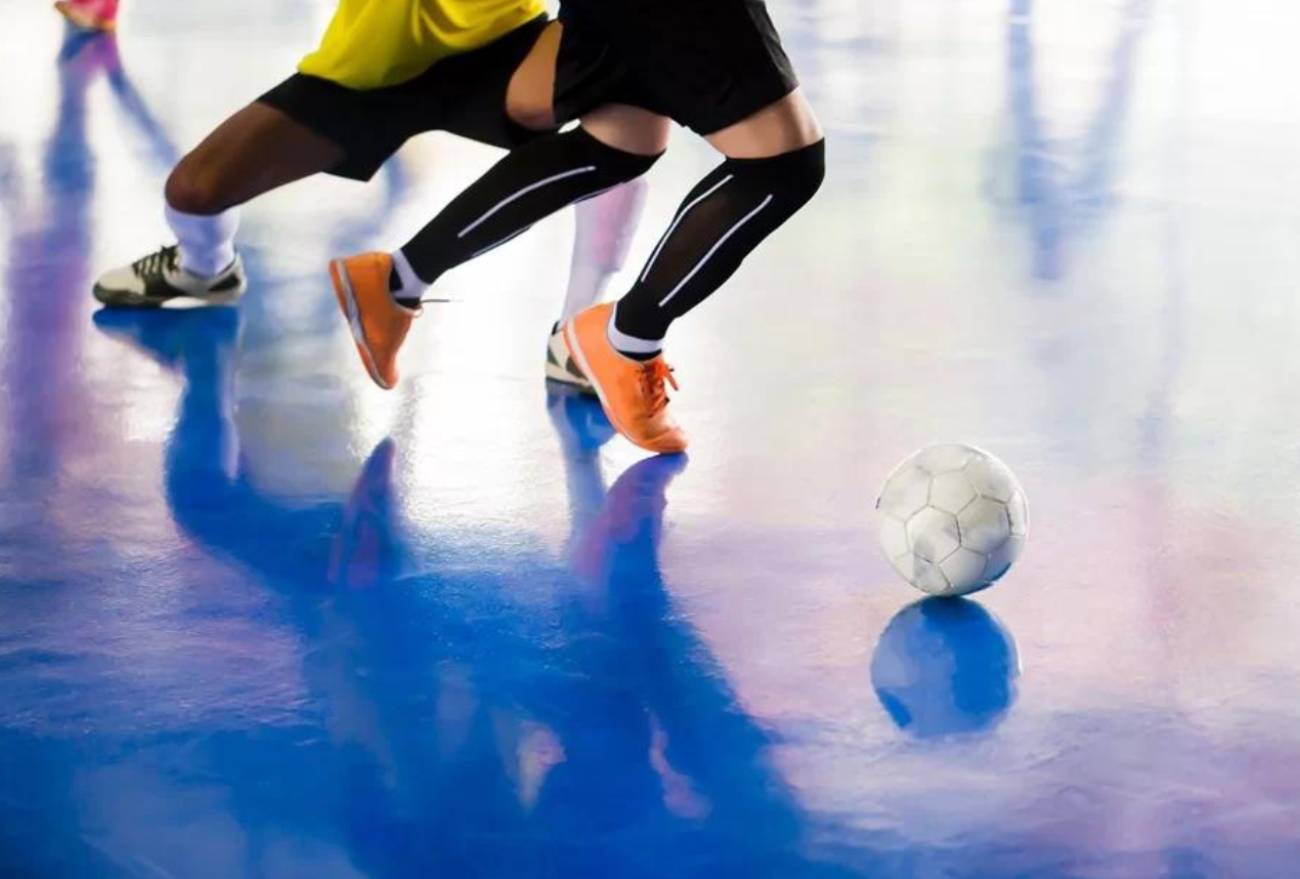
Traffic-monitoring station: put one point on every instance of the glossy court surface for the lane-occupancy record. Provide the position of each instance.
(261, 619)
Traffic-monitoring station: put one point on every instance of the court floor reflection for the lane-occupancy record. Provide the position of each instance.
(435, 728)
(945, 666)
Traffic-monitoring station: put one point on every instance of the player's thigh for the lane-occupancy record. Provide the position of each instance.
(629, 129)
(530, 95)
(783, 127)
(253, 152)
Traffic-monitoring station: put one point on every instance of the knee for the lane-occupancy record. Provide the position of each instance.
(530, 110)
(630, 130)
(810, 168)
(616, 163)
(196, 188)
(797, 174)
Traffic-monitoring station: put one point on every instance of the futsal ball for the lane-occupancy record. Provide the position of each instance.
(953, 519)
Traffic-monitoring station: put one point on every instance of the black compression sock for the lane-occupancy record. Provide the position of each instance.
(526, 186)
(723, 219)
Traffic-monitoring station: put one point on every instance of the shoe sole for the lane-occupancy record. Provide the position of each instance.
(575, 351)
(348, 303)
(126, 299)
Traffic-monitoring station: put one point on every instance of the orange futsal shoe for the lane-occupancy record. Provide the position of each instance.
(89, 15)
(632, 391)
(379, 325)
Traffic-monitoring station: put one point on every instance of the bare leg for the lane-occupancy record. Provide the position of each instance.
(253, 152)
(783, 127)
(629, 129)
(777, 129)
(529, 99)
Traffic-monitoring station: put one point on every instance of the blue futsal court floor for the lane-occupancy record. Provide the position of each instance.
(261, 619)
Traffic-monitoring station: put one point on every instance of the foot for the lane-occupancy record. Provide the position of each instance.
(379, 325)
(632, 391)
(87, 15)
(157, 281)
(560, 366)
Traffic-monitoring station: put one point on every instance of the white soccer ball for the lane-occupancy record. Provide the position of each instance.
(953, 519)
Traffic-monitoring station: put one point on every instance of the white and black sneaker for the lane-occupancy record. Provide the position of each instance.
(560, 366)
(158, 281)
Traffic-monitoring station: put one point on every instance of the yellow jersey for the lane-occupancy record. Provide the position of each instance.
(376, 43)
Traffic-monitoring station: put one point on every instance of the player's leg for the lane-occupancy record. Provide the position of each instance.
(527, 186)
(478, 101)
(470, 94)
(781, 127)
(253, 152)
(308, 125)
(618, 347)
(603, 233)
(530, 93)
(380, 293)
(258, 149)
(775, 162)
(743, 98)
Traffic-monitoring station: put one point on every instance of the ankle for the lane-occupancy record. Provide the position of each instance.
(404, 285)
(630, 342)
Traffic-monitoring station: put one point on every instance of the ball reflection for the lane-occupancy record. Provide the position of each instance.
(945, 666)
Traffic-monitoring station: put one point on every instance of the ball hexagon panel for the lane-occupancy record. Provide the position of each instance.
(929, 577)
(893, 537)
(984, 525)
(906, 492)
(1000, 560)
(943, 458)
(951, 492)
(964, 569)
(933, 534)
(991, 479)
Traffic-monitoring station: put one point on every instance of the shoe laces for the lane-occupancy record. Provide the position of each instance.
(156, 263)
(654, 375)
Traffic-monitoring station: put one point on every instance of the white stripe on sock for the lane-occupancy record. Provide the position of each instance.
(680, 216)
(526, 228)
(521, 193)
(714, 249)
(629, 344)
(505, 240)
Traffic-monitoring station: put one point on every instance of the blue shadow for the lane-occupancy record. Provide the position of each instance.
(448, 729)
(945, 666)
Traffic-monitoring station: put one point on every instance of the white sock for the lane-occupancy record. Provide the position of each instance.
(605, 227)
(587, 284)
(625, 344)
(207, 243)
(411, 285)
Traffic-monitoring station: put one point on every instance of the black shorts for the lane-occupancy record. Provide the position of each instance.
(464, 94)
(707, 64)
